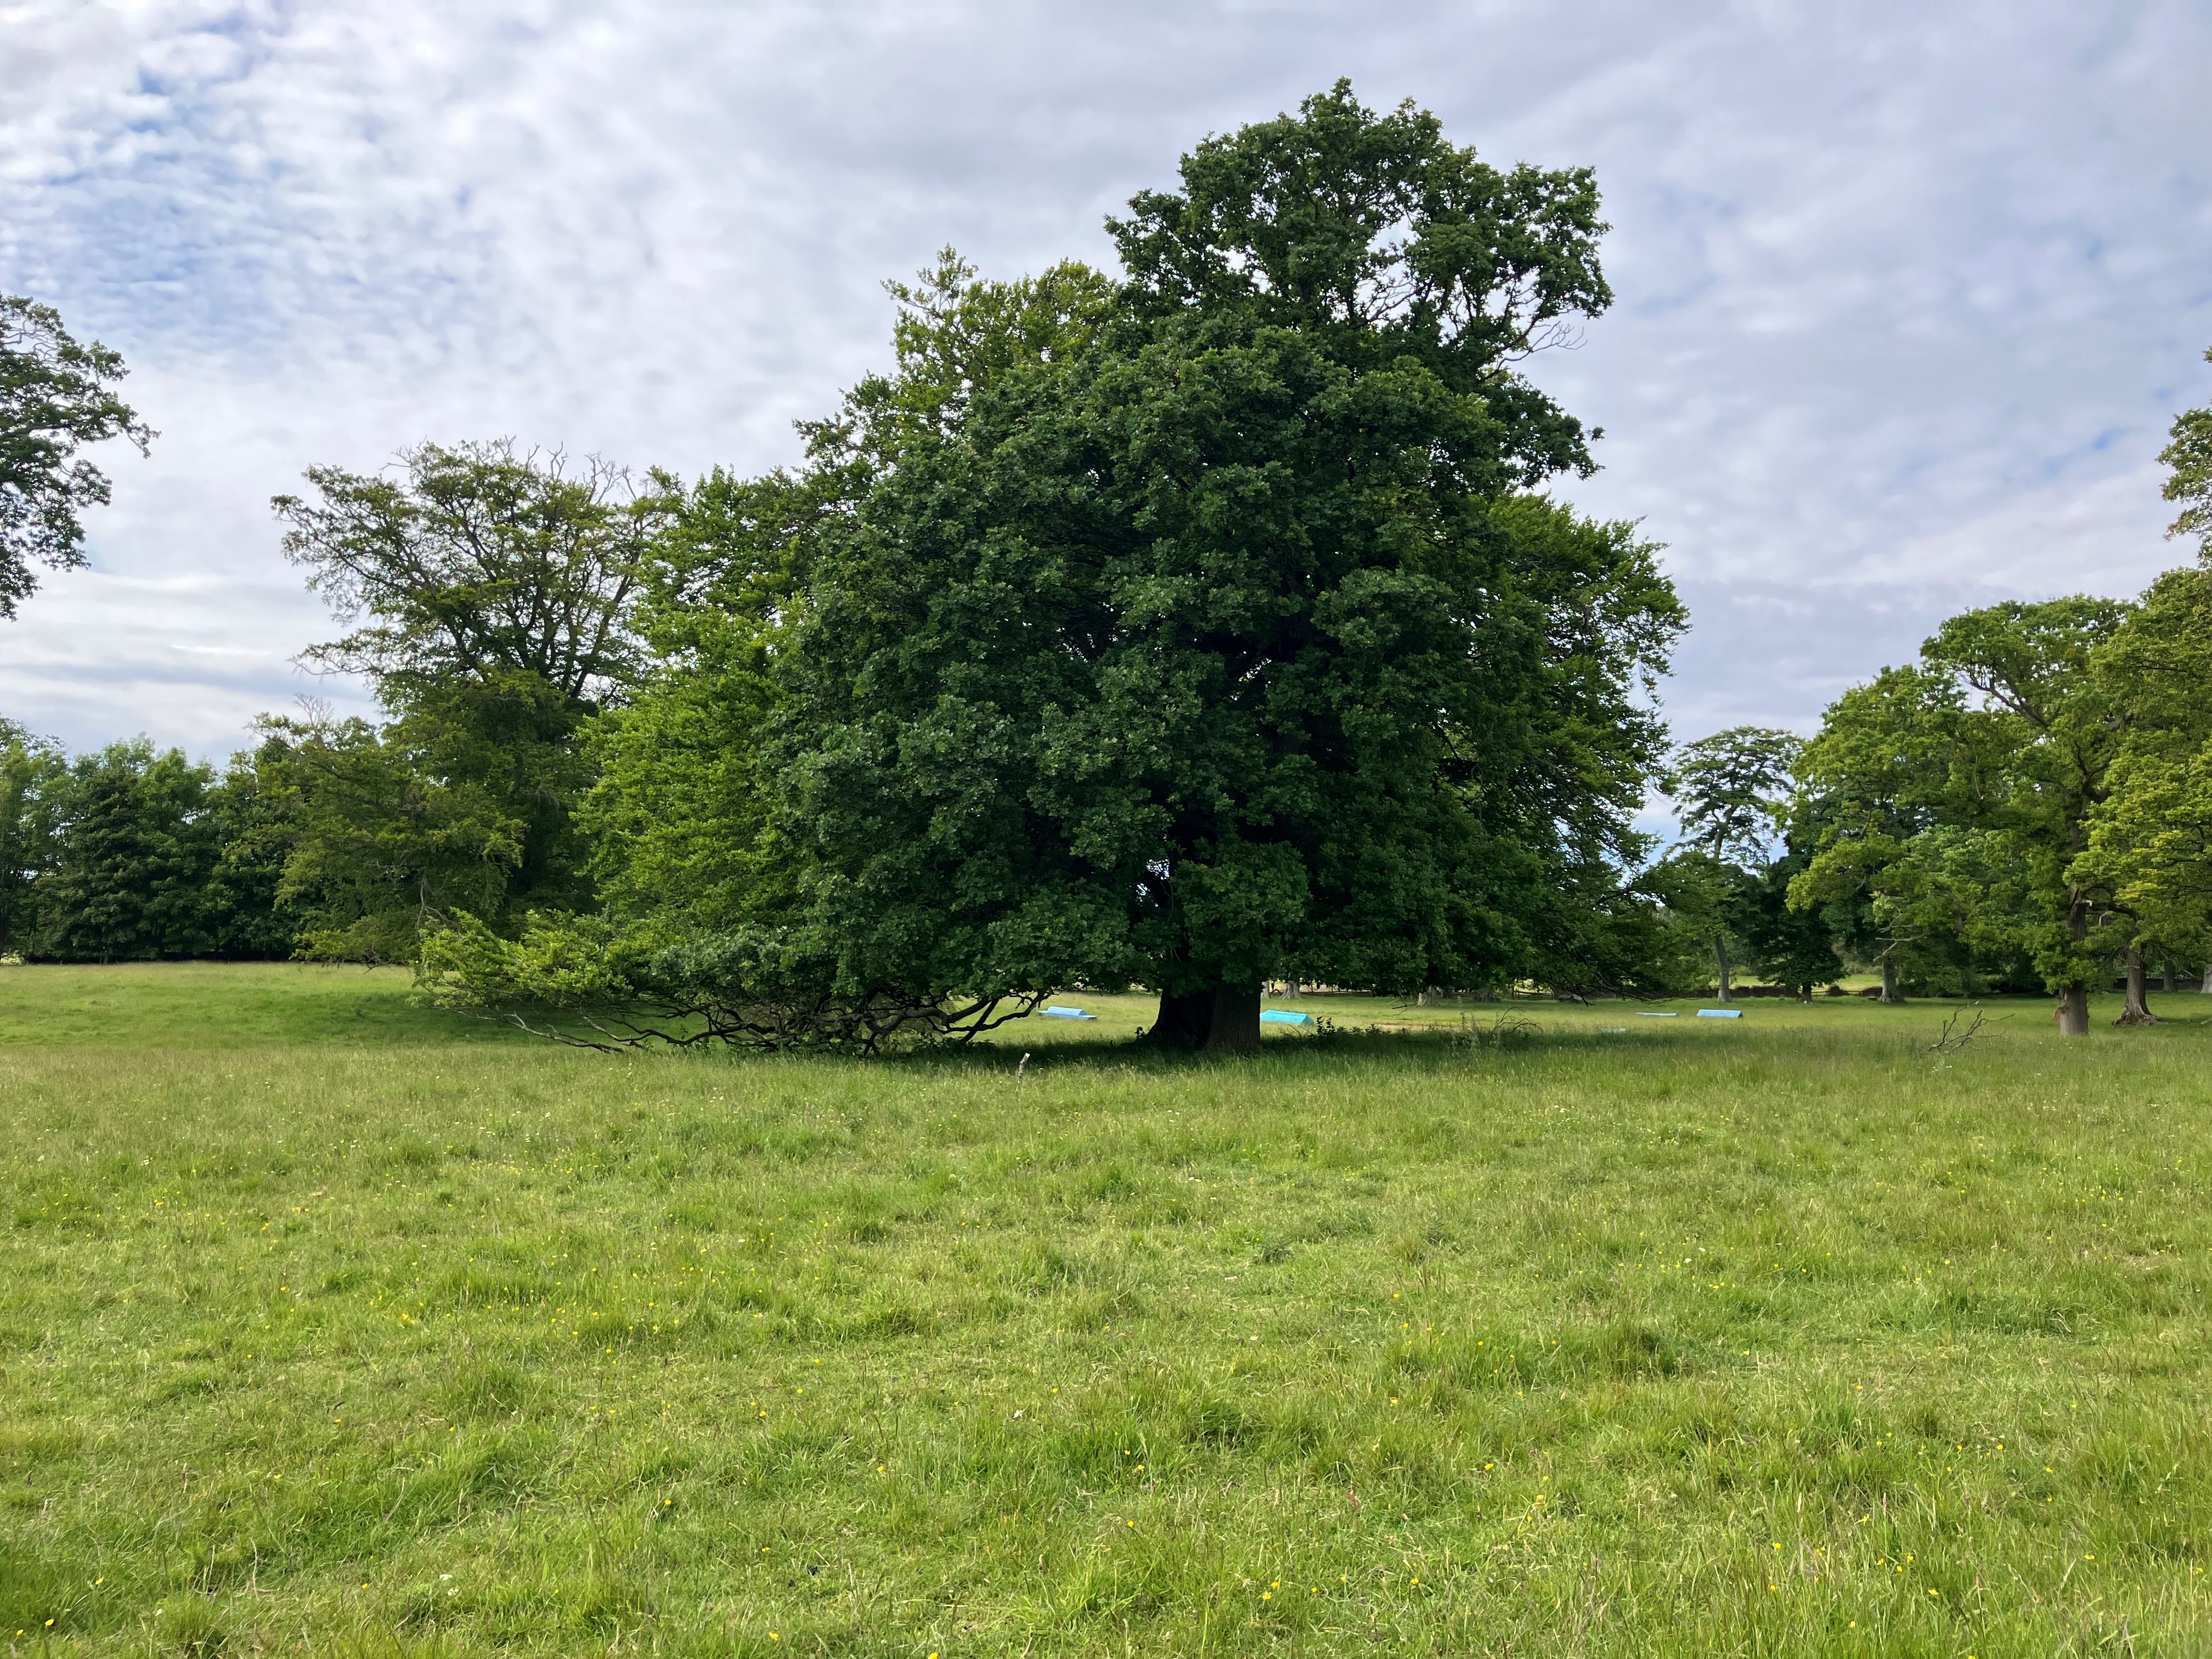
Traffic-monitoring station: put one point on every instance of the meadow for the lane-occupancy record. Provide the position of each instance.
(330, 1322)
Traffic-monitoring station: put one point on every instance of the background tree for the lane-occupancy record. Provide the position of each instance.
(2149, 841)
(1960, 791)
(1699, 898)
(34, 787)
(129, 854)
(250, 916)
(1732, 792)
(494, 591)
(1792, 947)
(136, 850)
(2188, 458)
(56, 397)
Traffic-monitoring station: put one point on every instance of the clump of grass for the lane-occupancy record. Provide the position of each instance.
(1771, 1338)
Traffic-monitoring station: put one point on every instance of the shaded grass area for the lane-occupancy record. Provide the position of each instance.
(1782, 1336)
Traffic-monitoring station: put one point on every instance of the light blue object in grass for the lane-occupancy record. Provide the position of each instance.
(1720, 1013)
(1283, 1016)
(1066, 1014)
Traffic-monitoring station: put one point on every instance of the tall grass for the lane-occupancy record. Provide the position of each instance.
(1787, 1337)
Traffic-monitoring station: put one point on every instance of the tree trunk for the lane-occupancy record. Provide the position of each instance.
(1184, 1021)
(2168, 977)
(1721, 956)
(2073, 1000)
(1889, 981)
(2074, 1010)
(2137, 1011)
(1220, 1019)
(1235, 1028)
(2205, 989)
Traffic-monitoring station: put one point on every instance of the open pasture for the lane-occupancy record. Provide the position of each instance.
(330, 1322)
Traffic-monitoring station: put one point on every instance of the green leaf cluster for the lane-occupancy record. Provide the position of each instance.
(57, 395)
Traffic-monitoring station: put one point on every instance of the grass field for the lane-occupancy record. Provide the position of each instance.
(330, 1322)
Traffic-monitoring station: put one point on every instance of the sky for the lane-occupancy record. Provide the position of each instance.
(1908, 294)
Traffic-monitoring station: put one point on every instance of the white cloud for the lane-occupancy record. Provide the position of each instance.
(1907, 293)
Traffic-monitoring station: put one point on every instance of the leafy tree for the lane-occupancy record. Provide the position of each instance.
(1732, 791)
(494, 593)
(954, 337)
(393, 829)
(250, 918)
(2188, 458)
(35, 787)
(703, 928)
(1863, 801)
(1961, 791)
(478, 562)
(1794, 948)
(56, 397)
(1223, 650)
(129, 877)
(680, 818)
(1203, 637)
(128, 854)
(2150, 841)
(1700, 898)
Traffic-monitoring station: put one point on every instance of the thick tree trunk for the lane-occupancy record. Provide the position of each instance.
(1220, 1019)
(2074, 1011)
(2205, 989)
(2137, 1011)
(1889, 981)
(2168, 979)
(1721, 956)
(1184, 1020)
(1236, 1026)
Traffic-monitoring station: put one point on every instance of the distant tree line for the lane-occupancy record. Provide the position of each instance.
(2026, 806)
(1204, 626)
(126, 855)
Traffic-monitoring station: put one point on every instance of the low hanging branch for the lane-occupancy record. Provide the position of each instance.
(866, 1026)
(572, 980)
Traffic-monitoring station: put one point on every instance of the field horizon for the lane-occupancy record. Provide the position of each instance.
(332, 1321)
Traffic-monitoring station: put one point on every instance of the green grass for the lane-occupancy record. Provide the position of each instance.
(327, 1322)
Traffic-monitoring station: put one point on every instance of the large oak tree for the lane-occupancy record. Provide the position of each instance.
(1187, 630)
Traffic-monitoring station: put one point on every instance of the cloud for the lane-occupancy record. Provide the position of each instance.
(1907, 293)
